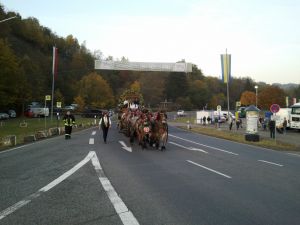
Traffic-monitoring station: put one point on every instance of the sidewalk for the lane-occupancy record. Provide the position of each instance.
(291, 136)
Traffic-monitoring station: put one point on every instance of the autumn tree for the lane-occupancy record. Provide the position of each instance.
(248, 98)
(136, 86)
(95, 91)
(270, 95)
(80, 102)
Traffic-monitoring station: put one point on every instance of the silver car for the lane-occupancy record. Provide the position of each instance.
(12, 113)
(4, 116)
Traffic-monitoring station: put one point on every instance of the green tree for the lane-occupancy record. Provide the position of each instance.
(12, 81)
(176, 86)
(218, 99)
(198, 93)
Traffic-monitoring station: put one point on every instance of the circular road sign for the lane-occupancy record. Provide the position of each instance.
(274, 108)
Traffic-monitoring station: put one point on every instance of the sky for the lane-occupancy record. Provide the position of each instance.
(263, 37)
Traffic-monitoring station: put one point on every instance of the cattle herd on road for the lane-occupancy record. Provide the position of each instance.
(149, 129)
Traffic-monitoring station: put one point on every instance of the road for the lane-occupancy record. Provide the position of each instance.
(197, 180)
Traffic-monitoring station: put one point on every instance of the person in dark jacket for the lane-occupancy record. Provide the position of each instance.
(105, 124)
(69, 121)
(272, 128)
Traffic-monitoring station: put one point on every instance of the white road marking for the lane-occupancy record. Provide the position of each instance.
(91, 141)
(188, 148)
(124, 213)
(276, 164)
(55, 182)
(293, 154)
(218, 149)
(124, 146)
(12, 149)
(94, 132)
(214, 171)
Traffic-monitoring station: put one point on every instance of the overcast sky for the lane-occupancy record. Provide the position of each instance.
(262, 36)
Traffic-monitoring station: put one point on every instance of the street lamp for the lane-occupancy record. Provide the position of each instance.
(1, 21)
(256, 95)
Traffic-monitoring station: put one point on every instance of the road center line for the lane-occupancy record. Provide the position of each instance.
(94, 132)
(214, 171)
(218, 149)
(276, 164)
(124, 213)
(191, 149)
(91, 141)
(55, 182)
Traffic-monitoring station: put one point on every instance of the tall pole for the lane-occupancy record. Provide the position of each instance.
(227, 85)
(256, 95)
(53, 79)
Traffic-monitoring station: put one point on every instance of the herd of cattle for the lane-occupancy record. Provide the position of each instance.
(147, 127)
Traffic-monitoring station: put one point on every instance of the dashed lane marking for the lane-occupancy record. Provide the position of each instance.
(272, 163)
(211, 170)
(218, 149)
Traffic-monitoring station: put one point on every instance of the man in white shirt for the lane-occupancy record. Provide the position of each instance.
(105, 124)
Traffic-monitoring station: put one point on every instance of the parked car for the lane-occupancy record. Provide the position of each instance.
(69, 108)
(181, 113)
(4, 116)
(12, 113)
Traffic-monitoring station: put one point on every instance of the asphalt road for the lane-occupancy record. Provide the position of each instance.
(197, 180)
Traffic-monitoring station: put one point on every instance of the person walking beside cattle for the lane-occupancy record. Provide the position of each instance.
(69, 121)
(105, 124)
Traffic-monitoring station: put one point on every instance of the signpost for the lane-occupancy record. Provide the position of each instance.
(47, 98)
(274, 108)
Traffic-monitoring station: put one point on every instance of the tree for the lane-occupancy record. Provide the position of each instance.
(198, 93)
(136, 86)
(95, 91)
(12, 80)
(80, 102)
(153, 87)
(176, 86)
(248, 98)
(271, 95)
(218, 99)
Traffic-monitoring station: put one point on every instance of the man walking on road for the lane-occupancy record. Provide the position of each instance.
(105, 124)
(69, 121)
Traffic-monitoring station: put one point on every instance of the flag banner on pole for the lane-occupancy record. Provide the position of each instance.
(55, 61)
(226, 67)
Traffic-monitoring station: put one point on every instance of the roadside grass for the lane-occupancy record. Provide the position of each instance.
(238, 137)
(12, 126)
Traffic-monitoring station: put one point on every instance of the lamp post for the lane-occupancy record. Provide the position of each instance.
(256, 95)
(1, 21)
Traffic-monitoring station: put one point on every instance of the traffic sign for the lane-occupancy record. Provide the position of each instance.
(48, 97)
(58, 104)
(274, 108)
(238, 104)
(219, 108)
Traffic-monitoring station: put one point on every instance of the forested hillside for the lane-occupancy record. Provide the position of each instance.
(26, 75)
